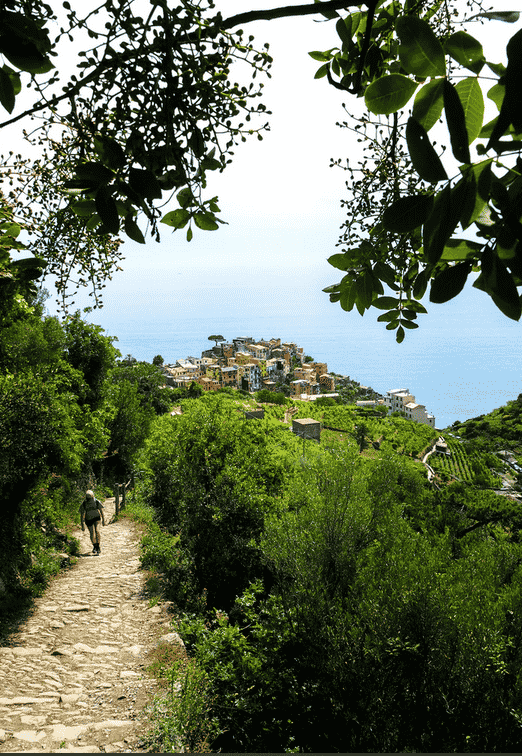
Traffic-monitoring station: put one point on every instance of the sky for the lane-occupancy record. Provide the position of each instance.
(281, 202)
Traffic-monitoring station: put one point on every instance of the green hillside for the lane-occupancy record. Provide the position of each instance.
(330, 596)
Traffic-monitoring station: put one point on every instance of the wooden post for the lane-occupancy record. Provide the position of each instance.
(117, 499)
(123, 496)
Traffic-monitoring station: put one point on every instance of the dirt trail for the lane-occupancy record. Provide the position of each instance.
(73, 676)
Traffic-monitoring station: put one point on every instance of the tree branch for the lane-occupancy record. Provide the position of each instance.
(287, 11)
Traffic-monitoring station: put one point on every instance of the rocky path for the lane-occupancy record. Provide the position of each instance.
(73, 676)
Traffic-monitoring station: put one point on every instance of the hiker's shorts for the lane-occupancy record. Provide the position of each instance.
(94, 530)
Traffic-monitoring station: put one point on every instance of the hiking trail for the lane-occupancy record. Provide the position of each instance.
(72, 677)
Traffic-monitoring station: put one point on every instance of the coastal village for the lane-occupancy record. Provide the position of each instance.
(252, 365)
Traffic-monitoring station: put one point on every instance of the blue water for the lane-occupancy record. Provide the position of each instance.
(464, 360)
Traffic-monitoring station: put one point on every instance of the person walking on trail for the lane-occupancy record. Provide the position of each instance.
(91, 511)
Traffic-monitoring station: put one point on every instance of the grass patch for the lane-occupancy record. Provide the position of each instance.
(182, 716)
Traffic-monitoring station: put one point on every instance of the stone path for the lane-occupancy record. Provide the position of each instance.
(72, 678)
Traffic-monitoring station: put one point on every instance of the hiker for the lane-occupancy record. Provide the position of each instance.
(92, 511)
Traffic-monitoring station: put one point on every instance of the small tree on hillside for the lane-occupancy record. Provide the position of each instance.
(216, 338)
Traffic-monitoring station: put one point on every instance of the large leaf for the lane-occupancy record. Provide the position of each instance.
(110, 151)
(423, 156)
(460, 249)
(428, 104)
(107, 210)
(7, 93)
(84, 208)
(339, 261)
(478, 177)
(389, 94)
(132, 230)
(385, 303)
(498, 283)
(144, 183)
(92, 174)
(508, 17)
(176, 218)
(466, 50)
(206, 221)
(407, 213)
(438, 227)
(456, 123)
(449, 283)
(420, 51)
(472, 101)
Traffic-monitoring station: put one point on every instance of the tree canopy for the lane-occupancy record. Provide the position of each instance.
(153, 106)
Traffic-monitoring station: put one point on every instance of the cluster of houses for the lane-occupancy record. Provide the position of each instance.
(251, 365)
(400, 400)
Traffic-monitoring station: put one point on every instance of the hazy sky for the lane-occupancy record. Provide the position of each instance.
(280, 197)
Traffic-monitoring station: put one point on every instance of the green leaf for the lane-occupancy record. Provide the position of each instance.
(456, 123)
(420, 285)
(339, 261)
(93, 221)
(344, 30)
(496, 94)
(93, 174)
(7, 93)
(322, 71)
(196, 142)
(411, 304)
(420, 51)
(28, 262)
(132, 229)
(399, 336)
(322, 57)
(449, 283)
(384, 272)
(472, 101)
(478, 177)
(409, 324)
(498, 283)
(438, 227)
(348, 294)
(461, 249)
(110, 151)
(185, 197)
(205, 221)
(465, 50)
(508, 17)
(389, 94)
(407, 213)
(176, 218)
(428, 103)
(107, 210)
(25, 55)
(385, 303)
(423, 157)
(145, 184)
(84, 207)
(388, 317)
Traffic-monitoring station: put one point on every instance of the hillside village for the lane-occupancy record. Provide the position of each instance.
(251, 365)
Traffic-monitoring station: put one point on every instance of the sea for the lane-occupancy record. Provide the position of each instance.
(464, 360)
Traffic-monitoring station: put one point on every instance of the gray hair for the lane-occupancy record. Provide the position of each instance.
(89, 494)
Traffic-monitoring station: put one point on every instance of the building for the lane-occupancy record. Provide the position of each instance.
(307, 427)
(400, 400)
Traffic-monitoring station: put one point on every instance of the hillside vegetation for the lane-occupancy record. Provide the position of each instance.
(72, 416)
(331, 599)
